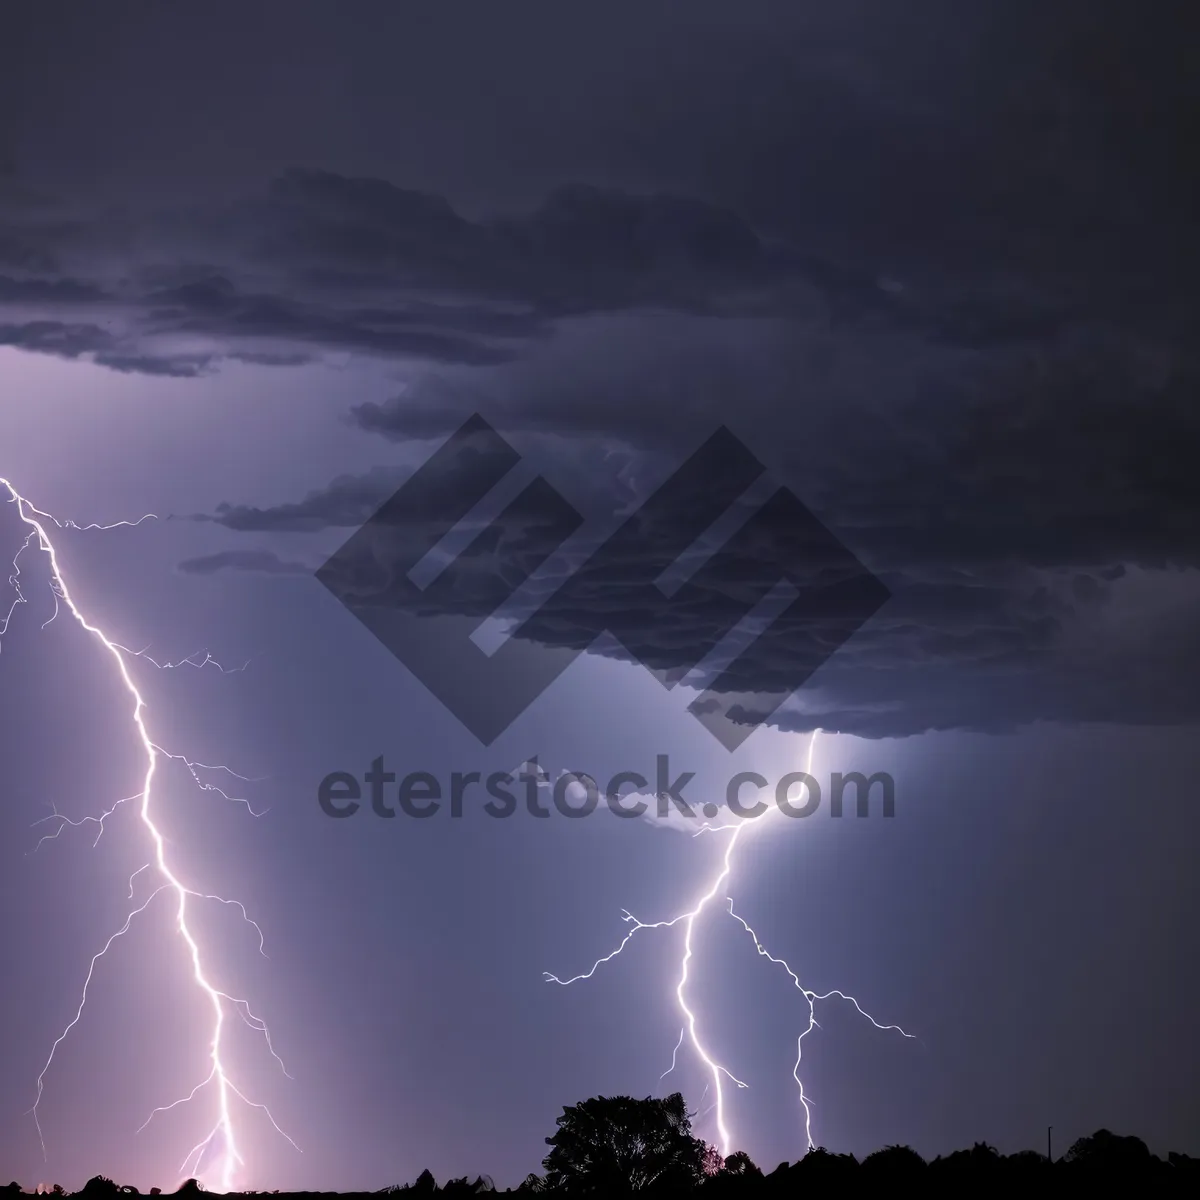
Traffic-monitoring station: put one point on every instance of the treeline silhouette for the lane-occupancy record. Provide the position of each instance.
(614, 1145)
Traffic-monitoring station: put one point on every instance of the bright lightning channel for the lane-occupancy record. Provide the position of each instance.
(223, 1133)
(718, 1072)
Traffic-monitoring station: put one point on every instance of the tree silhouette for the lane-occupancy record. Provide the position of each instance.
(980, 1158)
(619, 1144)
(1026, 1163)
(739, 1165)
(613, 1146)
(1109, 1151)
(737, 1175)
(822, 1164)
(464, 1186)
(898, 1162)
(99, 1186)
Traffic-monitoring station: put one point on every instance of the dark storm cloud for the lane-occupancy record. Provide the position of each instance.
(325, 263)
(584, 249)
(939, 275)
(55, 337)
(41, 291)
(346, 502)
(169, 367)
(992, 186)
(1010, 518)
(262, 561)
(350, 500)
(1069, 454)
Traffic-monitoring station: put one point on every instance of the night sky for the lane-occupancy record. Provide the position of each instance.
(934, 264)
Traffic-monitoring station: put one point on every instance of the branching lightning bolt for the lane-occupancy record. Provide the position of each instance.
(223, 1132)
(718, 1072)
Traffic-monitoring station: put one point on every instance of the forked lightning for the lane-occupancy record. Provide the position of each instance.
(720, 884)
(217, 1156)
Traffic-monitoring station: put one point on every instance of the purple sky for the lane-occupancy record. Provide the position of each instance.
(255, 266)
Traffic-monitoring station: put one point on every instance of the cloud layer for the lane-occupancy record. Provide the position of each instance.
(321, 263)
(946, 293)
(1035, 528)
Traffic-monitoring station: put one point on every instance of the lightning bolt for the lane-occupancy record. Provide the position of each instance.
(223, 1133)
(718, 1072)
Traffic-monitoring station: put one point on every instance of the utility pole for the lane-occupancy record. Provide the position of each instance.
(1049, 1151)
